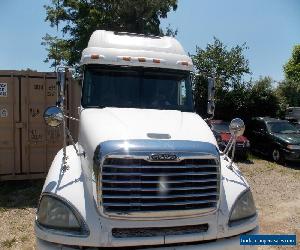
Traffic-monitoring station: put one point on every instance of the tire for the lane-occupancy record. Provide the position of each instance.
(276, 155)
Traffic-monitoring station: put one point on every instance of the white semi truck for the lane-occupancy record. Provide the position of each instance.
(146, 172)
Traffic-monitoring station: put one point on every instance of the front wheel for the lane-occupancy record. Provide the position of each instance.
(276, 155)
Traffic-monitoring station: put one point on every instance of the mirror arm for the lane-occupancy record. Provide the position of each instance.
(73, 143)
(65, 157)
(71, 118)
(237, 128)
(232, 153)
(228, 146)
(61, 79)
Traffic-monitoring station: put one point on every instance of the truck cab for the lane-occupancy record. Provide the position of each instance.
(146, 171)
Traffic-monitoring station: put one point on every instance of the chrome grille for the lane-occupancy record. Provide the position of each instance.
(138, 186)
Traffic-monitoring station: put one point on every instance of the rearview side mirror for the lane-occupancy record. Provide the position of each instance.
(211, 97)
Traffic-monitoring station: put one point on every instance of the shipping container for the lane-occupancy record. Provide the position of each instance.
(27, 145)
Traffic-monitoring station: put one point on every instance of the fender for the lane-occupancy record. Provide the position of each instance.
(73, 185)
(232, 180)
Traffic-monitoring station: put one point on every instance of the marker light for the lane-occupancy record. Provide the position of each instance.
(185, 63)
(142, 59)
(95, 56)
(126, 58)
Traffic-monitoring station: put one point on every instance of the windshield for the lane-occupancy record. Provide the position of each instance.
(281, 127)
(132, 87)
(221, 127)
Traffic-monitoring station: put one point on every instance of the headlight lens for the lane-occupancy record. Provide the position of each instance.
(293, 147)
(243, 208)
(54, 213)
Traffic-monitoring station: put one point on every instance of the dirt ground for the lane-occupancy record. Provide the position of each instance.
(276, 191)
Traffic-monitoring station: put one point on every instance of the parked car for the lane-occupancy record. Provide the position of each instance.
(276, 138)
(221, 131)
(295, 122)
(293, 113)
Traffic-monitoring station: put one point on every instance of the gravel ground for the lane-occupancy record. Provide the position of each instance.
(275, 189)
(18, 202)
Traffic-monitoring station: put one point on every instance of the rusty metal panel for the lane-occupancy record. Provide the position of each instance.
(10, 158)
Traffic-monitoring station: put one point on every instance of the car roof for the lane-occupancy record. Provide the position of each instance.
(268, 119)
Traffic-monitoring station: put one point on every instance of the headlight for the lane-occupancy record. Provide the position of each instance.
(243, 208)
(55, 214)
(293, 147)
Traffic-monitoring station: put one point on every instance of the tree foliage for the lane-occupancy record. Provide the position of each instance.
(289, 89)
(227, 65)
(249, 99)
(79, 18)
(262, 99)
(289, 93)
(292, 67)
(234, 96)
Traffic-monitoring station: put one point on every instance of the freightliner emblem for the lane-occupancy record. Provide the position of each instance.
(163, 157)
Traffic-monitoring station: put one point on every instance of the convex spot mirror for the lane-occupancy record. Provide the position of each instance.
(53, 116)
(237, 127)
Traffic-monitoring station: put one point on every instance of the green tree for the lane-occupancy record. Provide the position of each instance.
(292, 67)
(79, 18)
(289, 89)
(227, 65)
(262, 99)
(289, 93)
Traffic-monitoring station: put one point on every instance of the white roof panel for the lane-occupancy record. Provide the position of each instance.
(113, 46)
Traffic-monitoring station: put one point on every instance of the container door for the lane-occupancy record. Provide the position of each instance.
(10, 124)
(42, 142)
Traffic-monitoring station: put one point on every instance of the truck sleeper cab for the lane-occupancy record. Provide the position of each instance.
(146, 171)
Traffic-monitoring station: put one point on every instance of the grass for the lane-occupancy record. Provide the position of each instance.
(8, 243)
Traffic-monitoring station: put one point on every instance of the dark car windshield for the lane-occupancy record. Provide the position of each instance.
(281, 127)
(132, 87)
(221, 127)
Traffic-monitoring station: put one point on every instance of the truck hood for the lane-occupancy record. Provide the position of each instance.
(289, 138)
(99, 125)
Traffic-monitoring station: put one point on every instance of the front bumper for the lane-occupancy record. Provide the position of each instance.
(292, 155)
(231, 243)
